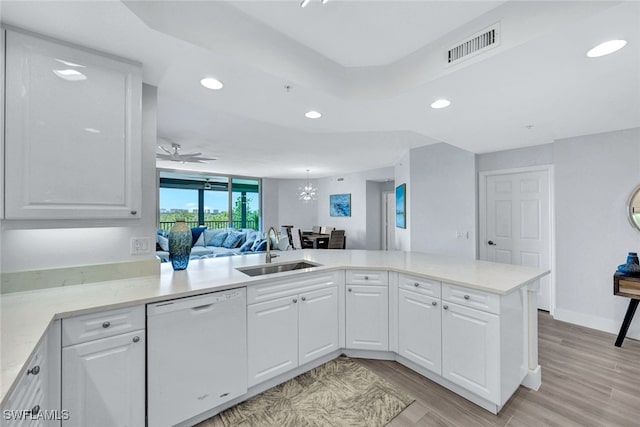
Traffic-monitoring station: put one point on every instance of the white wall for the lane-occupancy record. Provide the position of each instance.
(374, 212)
(594, 176)
(355, 184)
(443, 201)
(282, 204)
(36, 244)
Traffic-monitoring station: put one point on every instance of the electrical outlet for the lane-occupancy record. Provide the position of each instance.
(140, 245)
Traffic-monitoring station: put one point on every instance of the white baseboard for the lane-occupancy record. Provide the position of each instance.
(599, 323)
(533, 379)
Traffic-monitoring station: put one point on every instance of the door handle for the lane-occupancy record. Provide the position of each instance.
(490, 243)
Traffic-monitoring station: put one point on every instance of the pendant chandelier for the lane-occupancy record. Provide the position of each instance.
(307, 191)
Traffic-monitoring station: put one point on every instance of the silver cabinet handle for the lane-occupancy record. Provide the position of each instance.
(466, 297)
(446, 307)
(295, 300)
(34, 371)
(416, 284)
(106, 324)
(434, 303)
(349, 289)
(366, 277)
(136, 339)
(303, 298)
(134, 212)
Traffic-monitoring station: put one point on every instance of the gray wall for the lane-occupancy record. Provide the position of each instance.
(442, 192)
(593, 177)
(374, 212)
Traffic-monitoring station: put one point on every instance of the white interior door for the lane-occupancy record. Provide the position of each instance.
(515, 222)
(388, 220)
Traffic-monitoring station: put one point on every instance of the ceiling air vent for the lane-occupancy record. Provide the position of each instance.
(475, 44)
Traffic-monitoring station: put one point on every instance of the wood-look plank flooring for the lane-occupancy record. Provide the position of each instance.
(586, 381)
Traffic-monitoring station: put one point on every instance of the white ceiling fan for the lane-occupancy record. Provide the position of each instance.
(173, 154)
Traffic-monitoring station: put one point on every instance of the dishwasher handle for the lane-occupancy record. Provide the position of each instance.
(205, 307)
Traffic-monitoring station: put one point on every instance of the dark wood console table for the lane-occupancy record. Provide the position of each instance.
(626, 286)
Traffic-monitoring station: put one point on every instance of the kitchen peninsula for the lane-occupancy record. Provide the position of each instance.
(498, 297)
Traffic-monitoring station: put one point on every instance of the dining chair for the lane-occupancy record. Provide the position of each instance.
(298, 242)
(326, 230)
(336, 240)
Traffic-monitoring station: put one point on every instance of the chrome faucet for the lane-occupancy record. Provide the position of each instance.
(275, 233)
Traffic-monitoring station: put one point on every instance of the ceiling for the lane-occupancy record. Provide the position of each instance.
(371, 67)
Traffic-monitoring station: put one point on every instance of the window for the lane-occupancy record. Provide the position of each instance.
(212, 201)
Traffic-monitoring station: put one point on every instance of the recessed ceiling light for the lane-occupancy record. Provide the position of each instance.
(440, 103)
(312, 114)
(70, 75)
(211, 83)
(606, 48)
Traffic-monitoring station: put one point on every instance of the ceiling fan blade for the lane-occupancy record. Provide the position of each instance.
(166, 150)
(163, 156)
(190, 154)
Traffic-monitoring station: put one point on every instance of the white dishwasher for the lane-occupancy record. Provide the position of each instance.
(196, 355)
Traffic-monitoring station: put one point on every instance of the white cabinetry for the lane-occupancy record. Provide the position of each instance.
(482, 349)
(103, 374)
(35, 400)
(300, 325)
(72, 132)
(419, 322)
(367, 310)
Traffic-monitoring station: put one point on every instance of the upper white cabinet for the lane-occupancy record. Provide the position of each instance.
(72, 132)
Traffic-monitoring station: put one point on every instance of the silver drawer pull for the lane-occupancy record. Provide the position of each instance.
(106, 324)
(303, 298)
(366, 277)
(224, 395)
(466, 297)
(349, 289)
(433, 303)
(416, 284)
(136, 339)
(446, 307)
(34, 371)
(295, 300)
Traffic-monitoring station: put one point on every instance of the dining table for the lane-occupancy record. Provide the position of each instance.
(320, 241)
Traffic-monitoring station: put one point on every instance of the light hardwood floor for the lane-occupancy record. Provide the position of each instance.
(586, 381)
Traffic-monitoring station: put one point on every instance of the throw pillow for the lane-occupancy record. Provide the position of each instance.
(218, 239)
(255, 244)
(262, 246)
(246, 246)
(163, 242)
(196, 234)
(233, 239)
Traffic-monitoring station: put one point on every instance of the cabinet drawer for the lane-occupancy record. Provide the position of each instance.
(367, 277)
(473, 298)
(417, 284)
(283, 288)
(94, 326)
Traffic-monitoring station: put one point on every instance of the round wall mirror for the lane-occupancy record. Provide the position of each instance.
(634, 208)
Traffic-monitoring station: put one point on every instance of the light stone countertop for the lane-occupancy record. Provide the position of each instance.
(25, 316)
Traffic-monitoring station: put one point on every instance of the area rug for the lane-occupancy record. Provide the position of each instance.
(338, 393)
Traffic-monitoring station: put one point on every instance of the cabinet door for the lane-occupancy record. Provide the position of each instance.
(72, 132)
(317, 323)
(471, 350)
(419, 330)
(272, 338)
(367, 319)
(103, 381)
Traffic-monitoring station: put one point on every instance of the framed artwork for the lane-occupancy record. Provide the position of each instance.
(401, 206)
(340, 204)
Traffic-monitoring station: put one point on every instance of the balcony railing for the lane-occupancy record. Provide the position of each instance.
(166, 225)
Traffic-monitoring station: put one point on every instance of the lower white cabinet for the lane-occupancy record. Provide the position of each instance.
(420, 329)
(367, 317)
(471, 350)
(103, 375)
(291, 331)
(35, 401)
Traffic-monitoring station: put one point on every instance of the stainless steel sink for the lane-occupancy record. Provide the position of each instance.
(276, 268)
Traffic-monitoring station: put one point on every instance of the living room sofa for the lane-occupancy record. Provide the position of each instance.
(209, 243)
